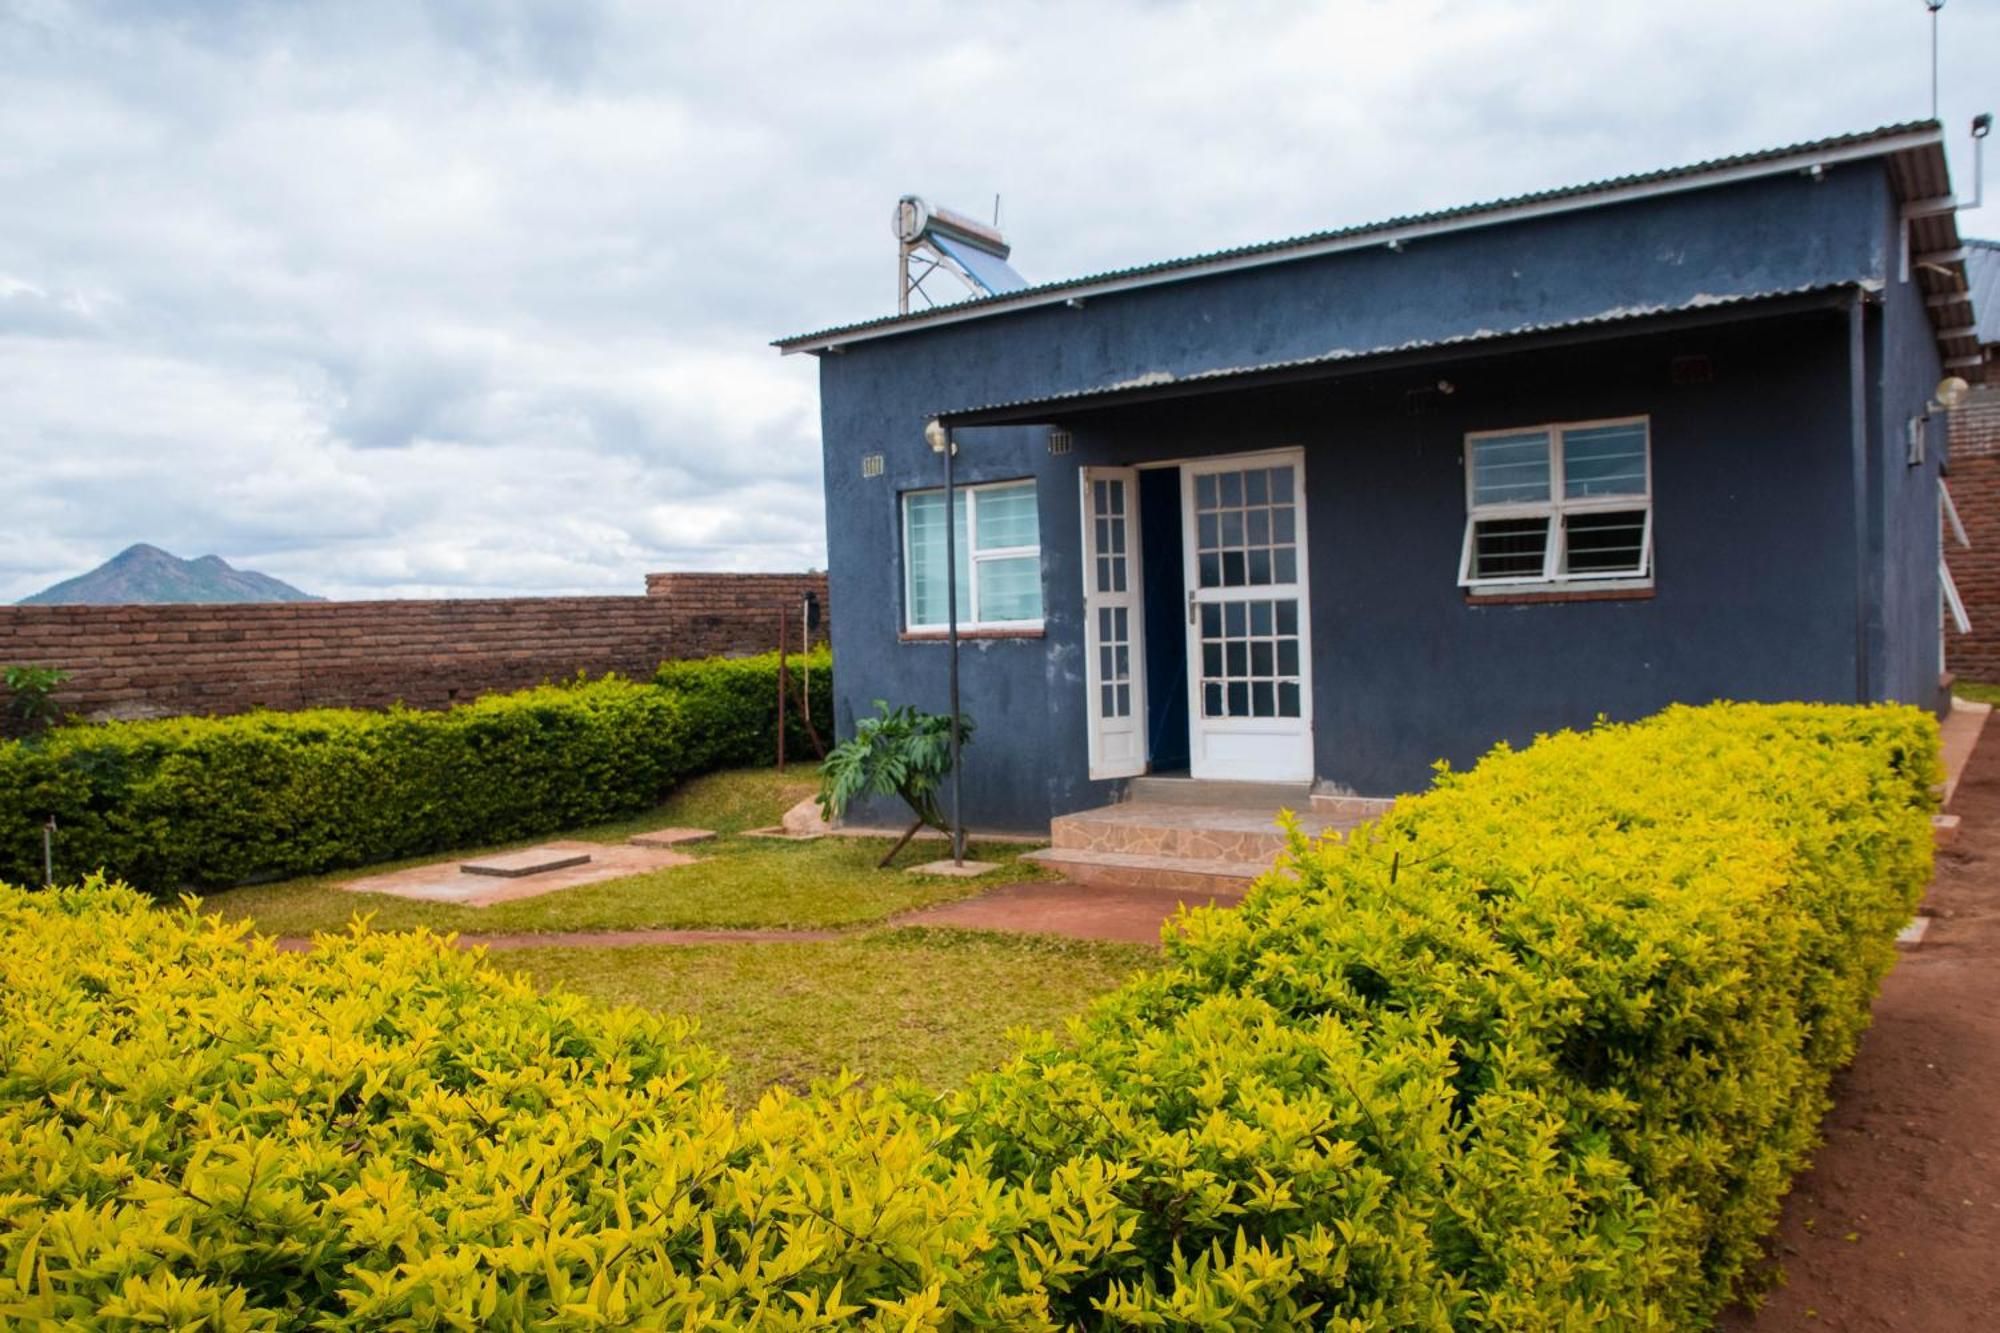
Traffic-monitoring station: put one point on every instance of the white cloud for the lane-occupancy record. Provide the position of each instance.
(390, 299)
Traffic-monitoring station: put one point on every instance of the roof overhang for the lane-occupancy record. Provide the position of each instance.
(1619, 322)
(1916, 162)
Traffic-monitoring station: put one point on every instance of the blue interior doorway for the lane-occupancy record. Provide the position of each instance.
(1165, 617)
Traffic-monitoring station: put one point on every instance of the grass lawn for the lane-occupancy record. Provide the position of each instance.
(1973, 691)
(739, 882)
(932, 1005)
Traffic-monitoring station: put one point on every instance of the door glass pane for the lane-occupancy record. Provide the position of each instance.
(1250, 659)
(1246, 526)
(1007, 516)
(1510, 469)
(1605, 460)
(1108, 499)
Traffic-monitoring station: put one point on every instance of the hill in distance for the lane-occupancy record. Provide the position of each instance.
(146, 575)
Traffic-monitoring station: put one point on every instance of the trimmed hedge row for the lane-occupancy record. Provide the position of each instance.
(190, 802)
(1538, 1050)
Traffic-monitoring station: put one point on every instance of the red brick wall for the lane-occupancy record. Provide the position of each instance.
(150, 661)
(1975, 490)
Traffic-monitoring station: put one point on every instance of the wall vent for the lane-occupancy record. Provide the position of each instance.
(1059, 440)
(871, 465)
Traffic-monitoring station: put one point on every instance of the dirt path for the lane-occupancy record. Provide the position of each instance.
(1897, 1224)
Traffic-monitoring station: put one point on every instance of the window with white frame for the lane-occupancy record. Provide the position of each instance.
(1561, 505)
(999, 540)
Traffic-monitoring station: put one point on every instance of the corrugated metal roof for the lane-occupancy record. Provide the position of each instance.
(1917, 178)
(1161, 383)
(1982, 281)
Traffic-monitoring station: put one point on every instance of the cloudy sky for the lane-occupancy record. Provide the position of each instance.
(456, 298)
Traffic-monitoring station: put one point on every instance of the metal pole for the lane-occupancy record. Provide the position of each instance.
(49, 853)
(784, 632)
(951, 634)
(1934, 6)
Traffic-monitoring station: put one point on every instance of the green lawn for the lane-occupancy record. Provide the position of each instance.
(1973, 691)
(739, 882)
(928, 1004)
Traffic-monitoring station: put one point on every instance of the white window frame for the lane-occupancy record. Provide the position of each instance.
(1553, 510)
(974, 554)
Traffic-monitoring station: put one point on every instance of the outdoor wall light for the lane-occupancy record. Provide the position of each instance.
(934, 435)
(1950, 392)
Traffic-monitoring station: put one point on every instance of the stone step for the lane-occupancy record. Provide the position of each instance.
(1205, 877)
(1170, 828)
(1357, 808)
(533, 861)
(1271, 796)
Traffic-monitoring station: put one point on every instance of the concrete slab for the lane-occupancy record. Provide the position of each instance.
(1961, 728)
(954, 869)
(779, 833)
(1913, 934)
(533, 861)
(670, 837)
(1136, 915)
(442, 881)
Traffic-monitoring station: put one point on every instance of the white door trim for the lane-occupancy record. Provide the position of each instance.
(1257, 749)
(1114, 592)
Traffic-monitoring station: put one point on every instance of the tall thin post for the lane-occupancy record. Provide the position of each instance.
(784, 682)
(49, 853)
(1934, 6)
(951, 634)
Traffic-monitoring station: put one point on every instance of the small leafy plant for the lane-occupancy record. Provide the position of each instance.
(899, 752)
(31, 704)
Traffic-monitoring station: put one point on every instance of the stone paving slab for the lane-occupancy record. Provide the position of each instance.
(955, 869)
(533, 861)
(603, 861)
(671, 837)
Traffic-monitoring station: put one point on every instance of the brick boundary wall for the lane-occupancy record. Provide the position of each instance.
(155, 661)
(1975, 491)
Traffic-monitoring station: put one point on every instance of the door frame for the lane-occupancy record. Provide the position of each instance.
(1300, 590)
(1138, 758)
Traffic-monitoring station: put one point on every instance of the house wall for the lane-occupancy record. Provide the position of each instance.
(1428, 677)
(151, 661)
(1975, 489)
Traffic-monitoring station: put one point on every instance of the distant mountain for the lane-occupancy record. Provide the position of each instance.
(146, 575)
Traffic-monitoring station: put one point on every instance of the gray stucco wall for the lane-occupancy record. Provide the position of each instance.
(1754, 521)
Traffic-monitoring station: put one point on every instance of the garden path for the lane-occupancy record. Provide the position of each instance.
(1896, 1226)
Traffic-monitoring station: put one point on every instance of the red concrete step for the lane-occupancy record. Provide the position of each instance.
(1172, 828)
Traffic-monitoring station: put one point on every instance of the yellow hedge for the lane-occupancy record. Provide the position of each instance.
(1539, 1050)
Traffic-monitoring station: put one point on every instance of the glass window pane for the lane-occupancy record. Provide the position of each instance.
(1260, 565)
(1260, 617)
(1211, 620)
(1232, 569)
(1605, 460)
(1010, 589)
(1211, 701)
(1232, 487)
(1281, 485)
(1509, 548)
(1288, 699)
(1260, 699)
(1234, 616)
(1211, 571)
(1239, 698)
(1288, 657)
(1288, 617)
(1007, 516)
(1613, 543)
(926, 556)
(1258, 527)
(1204, 491)
(1281, 524)
(1510, 469)
(1256, 487)
(1239, 657)
(1285, 565)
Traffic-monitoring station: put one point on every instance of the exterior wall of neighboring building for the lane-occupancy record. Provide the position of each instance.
(1757, 531)
(1975, 490)
(151, 661)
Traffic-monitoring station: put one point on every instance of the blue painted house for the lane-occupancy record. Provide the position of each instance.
(1332, 508)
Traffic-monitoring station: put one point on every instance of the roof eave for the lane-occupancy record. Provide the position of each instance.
(1807, 158)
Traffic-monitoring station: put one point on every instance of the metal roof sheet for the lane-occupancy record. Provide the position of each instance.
(1916, 175)
(1161, 383)
(1982, 280)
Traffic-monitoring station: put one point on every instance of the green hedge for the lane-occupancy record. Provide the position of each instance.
(213, 801)
(1539, 1050)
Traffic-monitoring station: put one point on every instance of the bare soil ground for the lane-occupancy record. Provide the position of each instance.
(1897, 1224)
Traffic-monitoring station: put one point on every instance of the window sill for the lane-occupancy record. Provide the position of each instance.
(944, 636)
(1538, 596)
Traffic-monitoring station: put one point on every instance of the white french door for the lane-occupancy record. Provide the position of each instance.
(1249, 639)
(1113, 632)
